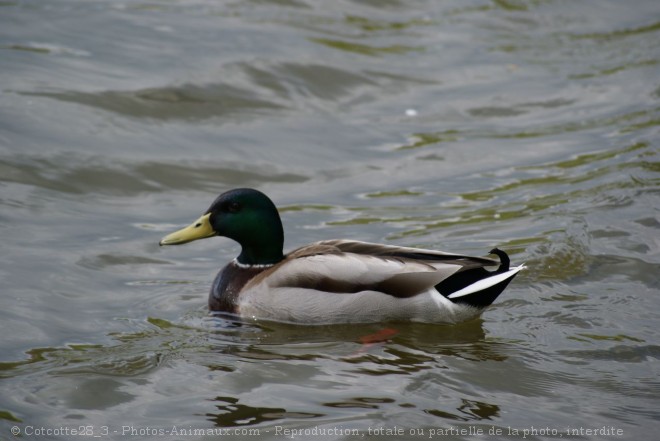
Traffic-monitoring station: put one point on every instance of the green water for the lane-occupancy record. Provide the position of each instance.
(457, 125)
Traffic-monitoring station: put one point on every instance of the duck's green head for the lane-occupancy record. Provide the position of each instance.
(245, 215)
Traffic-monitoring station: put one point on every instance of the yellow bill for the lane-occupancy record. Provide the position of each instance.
(200, 229)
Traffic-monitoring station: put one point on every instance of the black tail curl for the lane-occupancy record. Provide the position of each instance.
(504, 260)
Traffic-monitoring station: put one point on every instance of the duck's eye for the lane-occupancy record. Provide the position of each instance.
(234, 207)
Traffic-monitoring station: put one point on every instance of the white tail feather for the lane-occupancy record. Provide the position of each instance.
(485, 283)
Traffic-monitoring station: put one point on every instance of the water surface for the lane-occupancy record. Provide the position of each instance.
(457, 125)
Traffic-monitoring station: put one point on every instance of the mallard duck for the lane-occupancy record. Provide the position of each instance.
(337, 281)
